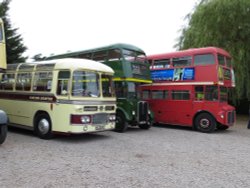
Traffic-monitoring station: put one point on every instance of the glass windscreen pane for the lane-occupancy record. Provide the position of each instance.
(229, 62)
(223, 94)
(205, 59)
(211, 93)
(1, 33)
(85, 84)
(221, 60)
(107, 86)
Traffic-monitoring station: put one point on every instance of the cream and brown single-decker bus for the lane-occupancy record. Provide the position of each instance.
(71, 96)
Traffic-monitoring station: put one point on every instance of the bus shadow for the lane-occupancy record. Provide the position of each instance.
(168, 126)
(61, 137)
(75, 138)
(21, 131)
(217, 131)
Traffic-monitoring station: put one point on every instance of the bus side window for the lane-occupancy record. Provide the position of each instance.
(7, 82)
(23, 81)
(199, 93)
(146, 94)
(63, 83)
(42, 81)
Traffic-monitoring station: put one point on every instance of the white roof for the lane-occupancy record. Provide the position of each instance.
(75, 63)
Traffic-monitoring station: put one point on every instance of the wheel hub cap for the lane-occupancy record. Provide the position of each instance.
(204, 123)
(43, 126)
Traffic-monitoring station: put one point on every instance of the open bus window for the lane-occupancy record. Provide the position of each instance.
(205, 59)
(107, 86)
(114, 55)
(160, 64)
(85, 84)
(182, 61)
(211, 93)
(199, 93)
(63, 83)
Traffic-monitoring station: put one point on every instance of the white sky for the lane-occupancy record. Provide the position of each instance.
(57, 26)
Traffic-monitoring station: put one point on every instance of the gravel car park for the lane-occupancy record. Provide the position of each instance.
(163, 156)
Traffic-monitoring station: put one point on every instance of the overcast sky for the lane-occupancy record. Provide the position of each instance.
(57, 26)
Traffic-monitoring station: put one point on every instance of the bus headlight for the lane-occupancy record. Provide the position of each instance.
(112, 117)
(133, 113)
(85, 119)
(222, 116)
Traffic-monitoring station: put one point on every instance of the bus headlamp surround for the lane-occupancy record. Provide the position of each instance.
(85, 119)
(112, 117)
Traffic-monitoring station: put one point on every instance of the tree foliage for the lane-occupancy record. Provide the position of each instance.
(225, 24)
(14, 42)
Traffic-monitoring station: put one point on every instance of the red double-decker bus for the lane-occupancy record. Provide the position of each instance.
(190, 88)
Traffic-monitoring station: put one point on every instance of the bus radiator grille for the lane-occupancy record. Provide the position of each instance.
(231, 117)
(100, 119)
(143, 111)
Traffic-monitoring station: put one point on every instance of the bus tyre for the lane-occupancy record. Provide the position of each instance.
(205, 123)
(43, 126)
(3, 132)
(121, 125)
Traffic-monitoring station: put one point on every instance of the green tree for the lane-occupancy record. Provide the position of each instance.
(14, 42)
(225, 24)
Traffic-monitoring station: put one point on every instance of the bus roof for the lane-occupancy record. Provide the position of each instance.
(74, 63)
(109, 47)
(189, 52)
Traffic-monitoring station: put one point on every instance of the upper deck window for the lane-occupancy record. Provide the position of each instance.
(182, 61)
(221, 60)
(133, 56)
(205, 59)
(162, 63)
(229, 62)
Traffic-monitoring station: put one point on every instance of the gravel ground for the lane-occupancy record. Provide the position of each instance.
(163, 156)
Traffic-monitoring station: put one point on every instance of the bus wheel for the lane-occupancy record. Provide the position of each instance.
(121, 125)
(204, 122)
(3, 132)
(43, 126)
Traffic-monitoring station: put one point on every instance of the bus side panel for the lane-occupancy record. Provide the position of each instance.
(182, 112)
(19, 112)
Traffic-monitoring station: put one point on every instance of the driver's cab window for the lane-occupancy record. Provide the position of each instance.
(63, 83)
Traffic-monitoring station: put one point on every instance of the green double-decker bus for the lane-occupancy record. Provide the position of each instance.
(131, 70)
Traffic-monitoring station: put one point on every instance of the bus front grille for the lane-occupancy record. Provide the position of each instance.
(231, 117)
(100, 119)
(142, 113)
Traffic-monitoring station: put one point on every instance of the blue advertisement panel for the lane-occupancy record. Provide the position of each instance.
(188, 74)
(177, 74)
(161, 75)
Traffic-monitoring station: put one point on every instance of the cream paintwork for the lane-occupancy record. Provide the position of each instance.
(3, 63)
(22, 112)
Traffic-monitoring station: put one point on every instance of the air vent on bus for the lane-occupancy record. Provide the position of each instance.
(90, 108)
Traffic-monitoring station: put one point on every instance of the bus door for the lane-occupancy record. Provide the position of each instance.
(199, 97)
(63, 91)
(158, 105)
(181, 107)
